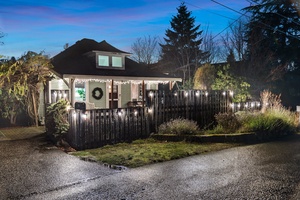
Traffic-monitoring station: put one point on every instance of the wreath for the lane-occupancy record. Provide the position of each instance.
(97, 93)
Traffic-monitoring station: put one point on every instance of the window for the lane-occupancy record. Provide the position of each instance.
(108, 61)
(116, 61)
(103, 61)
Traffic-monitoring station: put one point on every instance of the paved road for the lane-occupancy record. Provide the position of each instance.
(262, 171)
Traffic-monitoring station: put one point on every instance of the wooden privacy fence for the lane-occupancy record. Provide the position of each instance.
(196, 105)
(99, 127)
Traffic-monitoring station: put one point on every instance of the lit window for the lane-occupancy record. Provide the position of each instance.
(116, 61)
(103, 61)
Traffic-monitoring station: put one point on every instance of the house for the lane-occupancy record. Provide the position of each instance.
(102, 76)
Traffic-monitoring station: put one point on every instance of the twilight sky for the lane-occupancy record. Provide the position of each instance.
(47, 25)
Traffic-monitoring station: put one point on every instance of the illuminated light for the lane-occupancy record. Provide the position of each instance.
(252, 104)
(231, 93)
(135, 113)
(197, 93)
(224, 93)
(232, 105)
(267, 104)
(151, 94)
(246, 105)
(74, 114)
(186, 94)
(59, 95)
(120, 113)
(121, 82)
(68, 108)
(206, 93)
(55, 94)
(258, 104)
(239, 105)
(84, 116)
(65, 95)
(150, 110)
(175, 94)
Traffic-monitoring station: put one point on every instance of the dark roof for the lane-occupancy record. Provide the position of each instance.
(77, 60)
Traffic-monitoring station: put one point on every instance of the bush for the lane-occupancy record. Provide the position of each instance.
(179, 127)
(227, 123)
(56, 118)
(268, 124)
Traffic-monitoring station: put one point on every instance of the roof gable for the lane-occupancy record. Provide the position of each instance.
(80, 59)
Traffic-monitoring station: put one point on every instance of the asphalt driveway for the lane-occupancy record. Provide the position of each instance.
(33, 166)
(31, 170)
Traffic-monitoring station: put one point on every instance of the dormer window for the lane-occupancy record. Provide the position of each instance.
(106, 60)
(116, 61)
(103, 61)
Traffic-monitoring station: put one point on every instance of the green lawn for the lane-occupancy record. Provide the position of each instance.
(148, 151)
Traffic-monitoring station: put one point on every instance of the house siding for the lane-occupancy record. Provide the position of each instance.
(98, 103)
(125, 94)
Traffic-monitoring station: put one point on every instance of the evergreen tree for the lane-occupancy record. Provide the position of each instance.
(274, 35)
(181, 49)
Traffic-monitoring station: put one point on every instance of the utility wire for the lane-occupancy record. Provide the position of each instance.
(210, 11)
(270, 27)
(251, 1)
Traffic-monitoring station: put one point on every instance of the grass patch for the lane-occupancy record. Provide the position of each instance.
(148, 151)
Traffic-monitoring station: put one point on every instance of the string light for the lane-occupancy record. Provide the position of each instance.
(120, 82)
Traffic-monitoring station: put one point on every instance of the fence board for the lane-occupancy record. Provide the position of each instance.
(99, 127)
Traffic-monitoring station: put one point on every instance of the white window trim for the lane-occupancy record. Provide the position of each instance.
(110, 55)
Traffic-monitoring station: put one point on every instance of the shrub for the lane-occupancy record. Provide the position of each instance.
(56, 118)
(179, 127)
(268, 124)
(227, 122)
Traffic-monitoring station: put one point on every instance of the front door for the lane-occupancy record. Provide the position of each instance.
(114, 96)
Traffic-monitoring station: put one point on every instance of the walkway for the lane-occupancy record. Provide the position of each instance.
(19, 133)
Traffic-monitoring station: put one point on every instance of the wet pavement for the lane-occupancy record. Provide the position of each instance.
(31, 169)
